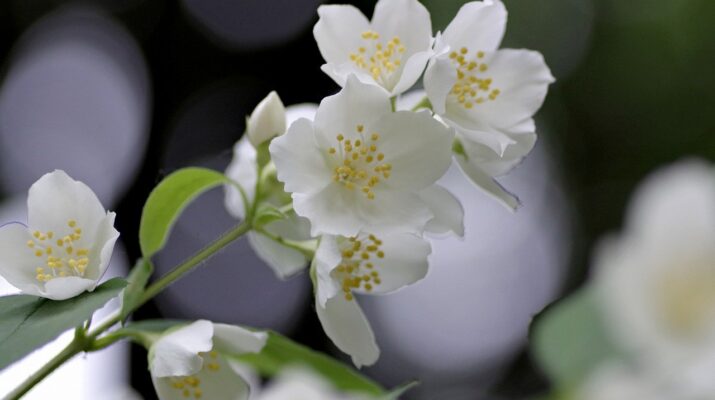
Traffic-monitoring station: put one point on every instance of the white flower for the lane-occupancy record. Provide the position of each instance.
(619, 382)
(656, 281)
(191, 362)
(364, 264)
(267, 120)
(243, 169)
(488, 95)
(390, 51)
(360, 166)
(66, 247)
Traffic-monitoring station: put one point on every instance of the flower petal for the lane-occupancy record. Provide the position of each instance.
(338, 31)
(55, 198)
(177, 352)
(523, 79)
(440, 77)
(67, 287)
(219, 382)
(492, 163)
(488, 184)
(405, 262)
(101, 253)
(242, 170)
(478, 26)
(407, 20)
(267, 120)
(327, 258)
(300, 164)
(18, 262)
(448, 211)
(357, 104)
(393, 211)
(331, 210)
(345, 324)
(284, 261)
(411, 71)
(235, 340)
(418, 147)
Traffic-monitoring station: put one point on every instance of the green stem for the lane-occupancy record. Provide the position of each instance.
(393, 103)
(177, 272)
(76, 346)
(307, 247)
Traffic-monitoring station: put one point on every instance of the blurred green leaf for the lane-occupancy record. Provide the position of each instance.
(569, 339)
(138, 279)
(399, 391)
(266, 214)
(280, 352)
(168, 200)
(29, 322)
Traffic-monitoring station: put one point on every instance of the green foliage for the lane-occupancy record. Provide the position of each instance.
(569, 339)
(138, 279)
(29, 322)
(267, 213)
(168, 200)
(280, 352)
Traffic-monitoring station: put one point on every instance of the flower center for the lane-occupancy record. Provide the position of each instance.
(472, 87)
(359, 163)
(356, 269)
(379, 59)
(190, 386)
(687, 300)
(60, 256)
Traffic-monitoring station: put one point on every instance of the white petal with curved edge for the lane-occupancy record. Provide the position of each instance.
(18, 262)
(356, 104)
(55, 198)
(284, 261)
(101, 253)
(220, 383)
(338, 31)
(488, 184)
(235, 340)
(448, 211)
(418, 147)
(405, 262)
(331, 210)
(177, 352)
(242, 170)
(411, 71)
(393, 211)
(267, 120)
(523, 79)
(494, 165)
(345, 324)
(295, 112)
(67, 287)
(408, 20)
(440, 77)
(340, 73)
(327, 258)
(478, 26)
(300, 164)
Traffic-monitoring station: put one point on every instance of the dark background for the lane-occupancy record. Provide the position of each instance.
(635, 90)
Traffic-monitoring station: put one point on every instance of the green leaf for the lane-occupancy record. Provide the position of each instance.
(395, 393)
(28, 322)
(570, 339)
(138, 279)
(168, 200)
(280, 352)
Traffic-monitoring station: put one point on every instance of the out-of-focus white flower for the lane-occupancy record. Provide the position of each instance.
(267, 120)
(488, 95)
(360, 166)
(363, 264)
(190, 362)
(67, 245)
(243, 169)
(390, 51)
(656, 280)
(302, 384)
(619, 382)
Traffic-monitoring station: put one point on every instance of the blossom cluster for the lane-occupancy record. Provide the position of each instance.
(361, 174)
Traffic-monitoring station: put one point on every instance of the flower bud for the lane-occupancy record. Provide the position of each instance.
(267, 120)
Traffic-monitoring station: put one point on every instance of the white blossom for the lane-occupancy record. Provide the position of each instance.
(267, 120)
(66, 246)
(390, 51)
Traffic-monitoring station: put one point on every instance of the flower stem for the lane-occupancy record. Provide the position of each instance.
(73, 348)
(424, 103)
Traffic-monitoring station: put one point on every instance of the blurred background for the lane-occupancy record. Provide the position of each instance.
(120, 93)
